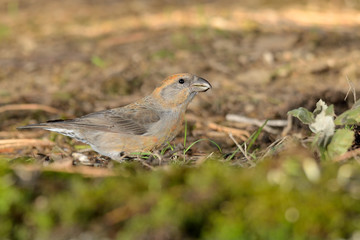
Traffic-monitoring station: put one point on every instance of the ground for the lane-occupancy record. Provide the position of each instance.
(64, 59)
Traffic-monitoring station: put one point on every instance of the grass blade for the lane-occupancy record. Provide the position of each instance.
(169, 146)
(185, 134)
(200, 140)
(145, 155)
(232, 155)
(255, 135)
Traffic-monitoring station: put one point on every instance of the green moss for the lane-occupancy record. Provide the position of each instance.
(212, 201)
(163, 54)
(5, 31)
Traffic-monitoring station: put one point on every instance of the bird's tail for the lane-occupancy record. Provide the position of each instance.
(47, 125)
(40, 125)
(56, 126)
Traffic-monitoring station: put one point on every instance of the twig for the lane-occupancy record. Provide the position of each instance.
(137, 158)
(243, 119)
(242, 134)
(16, 107)
(158, 156)
(351, 89)
(252, 164)
(348, 155)
(274, 144)
(18, 134)
(257, 122)
(17, 143)
(202, 160)
(288, 127)
(147, 165)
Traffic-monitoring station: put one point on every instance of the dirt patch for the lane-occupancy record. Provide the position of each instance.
(261, 62)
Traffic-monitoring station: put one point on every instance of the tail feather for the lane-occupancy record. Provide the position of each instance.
(47, 125)
(53, 125)
(40, 125)
(56, 126)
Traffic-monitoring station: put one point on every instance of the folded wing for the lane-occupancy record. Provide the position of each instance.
(136, 121)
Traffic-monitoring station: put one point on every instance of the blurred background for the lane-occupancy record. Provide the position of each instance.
(263, 58)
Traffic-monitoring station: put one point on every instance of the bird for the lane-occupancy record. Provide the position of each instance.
(142, 126)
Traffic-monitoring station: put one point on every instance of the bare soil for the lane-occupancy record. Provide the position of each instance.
(83, 56)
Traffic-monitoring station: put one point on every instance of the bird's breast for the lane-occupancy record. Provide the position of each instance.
(168, 127)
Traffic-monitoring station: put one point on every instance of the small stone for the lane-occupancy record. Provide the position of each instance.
(319, 68)
(269, 58)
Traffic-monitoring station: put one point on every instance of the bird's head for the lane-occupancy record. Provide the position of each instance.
(180, 89)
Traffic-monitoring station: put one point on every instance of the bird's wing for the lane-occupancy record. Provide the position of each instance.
(127, 120)
(135, 121)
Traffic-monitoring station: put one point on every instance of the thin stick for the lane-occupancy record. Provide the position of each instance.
(16, 107)
(348, 155)
(17, 143)
(274, 144)
(202, 160)
(242, 134)
(137, 158)
(252, 164)
(257, 122)
(147, 165)
(288, 127)
(351, 89)
(18, 134)
(254, 121)
(159, 157)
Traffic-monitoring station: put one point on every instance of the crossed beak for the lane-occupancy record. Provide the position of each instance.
(200, 85)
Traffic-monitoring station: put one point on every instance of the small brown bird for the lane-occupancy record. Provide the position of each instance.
(142, 126)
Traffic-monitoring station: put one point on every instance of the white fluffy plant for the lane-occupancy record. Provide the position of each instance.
(330, 141)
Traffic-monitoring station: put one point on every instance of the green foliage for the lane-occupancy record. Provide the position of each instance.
(304, 115)
(22, 160)
(200, 140)
(251, 140)
(351, 116)
(169, 146)
(330, 142)
(186, 149)
(255, 135)
(81, 146)
(340, 143)
(185, 134)
(213, 201)
(97, 61)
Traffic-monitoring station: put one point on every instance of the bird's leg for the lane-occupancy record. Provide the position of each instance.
(122, 157)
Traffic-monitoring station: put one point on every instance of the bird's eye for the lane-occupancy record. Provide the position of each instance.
(181, 81)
